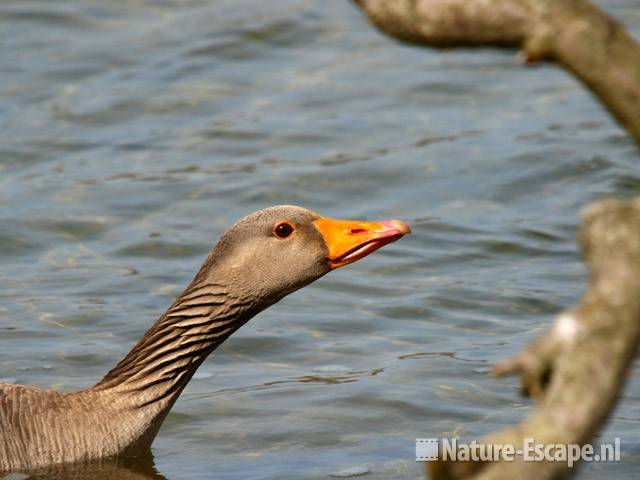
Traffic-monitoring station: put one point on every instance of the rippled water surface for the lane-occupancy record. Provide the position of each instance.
(132, 133)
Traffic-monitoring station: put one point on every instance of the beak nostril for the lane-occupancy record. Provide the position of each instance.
(355, 231)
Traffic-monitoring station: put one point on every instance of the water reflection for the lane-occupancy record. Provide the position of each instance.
(134, 468)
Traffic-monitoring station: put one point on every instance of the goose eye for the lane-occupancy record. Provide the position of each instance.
(283, 230)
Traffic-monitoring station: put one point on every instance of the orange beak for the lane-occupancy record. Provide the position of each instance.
(350, 240)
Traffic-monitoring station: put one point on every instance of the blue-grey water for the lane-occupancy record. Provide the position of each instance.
(132, 133)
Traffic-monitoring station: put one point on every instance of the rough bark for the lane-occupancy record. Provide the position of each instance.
(577, 369)
(574, 33)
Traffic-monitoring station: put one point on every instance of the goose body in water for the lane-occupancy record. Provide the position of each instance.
(258, 261)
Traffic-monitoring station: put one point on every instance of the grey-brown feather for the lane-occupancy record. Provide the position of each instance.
(246, 272)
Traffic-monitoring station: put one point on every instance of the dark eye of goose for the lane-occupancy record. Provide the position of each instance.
(283, 230)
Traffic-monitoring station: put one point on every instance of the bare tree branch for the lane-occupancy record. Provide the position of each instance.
(575, 33)
(577, 369)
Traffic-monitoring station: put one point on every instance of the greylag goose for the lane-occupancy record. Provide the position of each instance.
(258, 261)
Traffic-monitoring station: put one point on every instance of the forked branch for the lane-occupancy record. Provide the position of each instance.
(574, 33)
